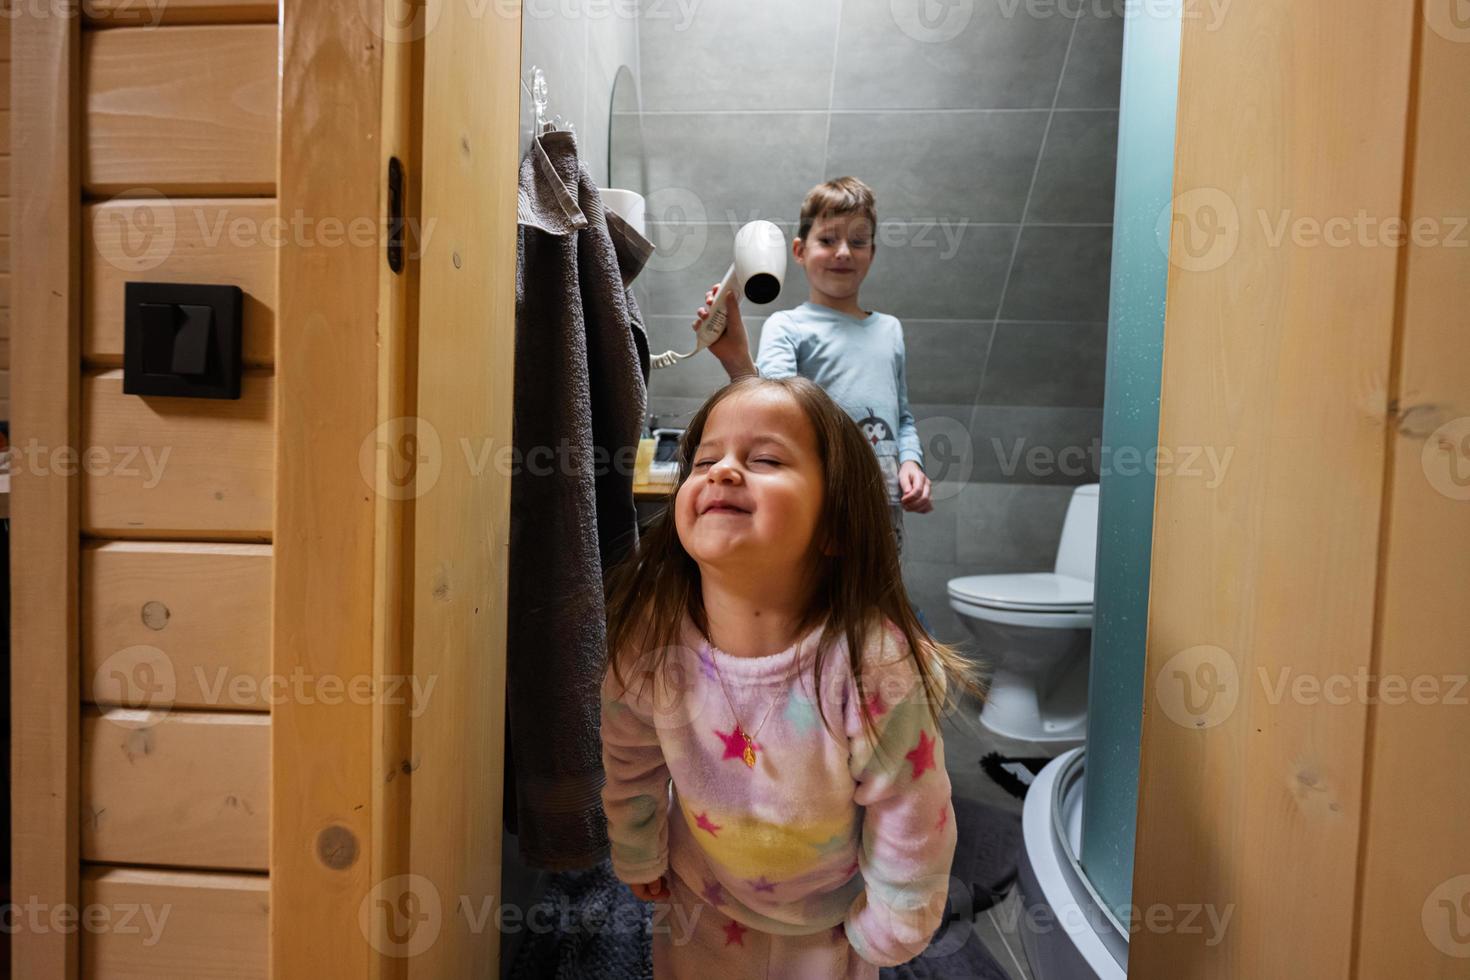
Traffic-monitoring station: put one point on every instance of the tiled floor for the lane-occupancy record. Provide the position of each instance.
(965, 743)
(997, 928)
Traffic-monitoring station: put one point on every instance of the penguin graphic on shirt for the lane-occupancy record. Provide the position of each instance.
(880, 436)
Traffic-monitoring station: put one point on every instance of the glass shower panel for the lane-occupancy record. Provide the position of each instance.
(1130, 426)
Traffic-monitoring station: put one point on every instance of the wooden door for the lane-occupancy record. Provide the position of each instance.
(1303, 777)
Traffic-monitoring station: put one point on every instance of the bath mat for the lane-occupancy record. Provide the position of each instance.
(1014, 775)
(599, 931)
(596, 930)
(987, 850)
(942, 961)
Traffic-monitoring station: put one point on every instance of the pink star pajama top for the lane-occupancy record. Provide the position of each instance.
(847, 835)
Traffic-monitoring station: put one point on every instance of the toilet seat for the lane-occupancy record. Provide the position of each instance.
(1034, 592)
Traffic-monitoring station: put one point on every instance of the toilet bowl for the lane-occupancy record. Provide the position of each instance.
(1034, 631)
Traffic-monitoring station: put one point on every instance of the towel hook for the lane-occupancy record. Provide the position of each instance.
(538, 97)
(540, 100)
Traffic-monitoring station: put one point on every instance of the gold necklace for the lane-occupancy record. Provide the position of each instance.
(748, 756)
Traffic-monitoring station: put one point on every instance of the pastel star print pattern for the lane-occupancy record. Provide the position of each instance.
(707, 664)
(800, 714)
(713, 892)
(779, 843)
(734, 743)
(921, 756)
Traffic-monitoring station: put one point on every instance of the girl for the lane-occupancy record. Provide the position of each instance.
(764, 657)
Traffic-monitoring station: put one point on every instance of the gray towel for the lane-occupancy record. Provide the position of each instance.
(581, 373)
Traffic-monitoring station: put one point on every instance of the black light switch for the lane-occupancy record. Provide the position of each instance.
(191, 343)
(181, 339)
(158, 337)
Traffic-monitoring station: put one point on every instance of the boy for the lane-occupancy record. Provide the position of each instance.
(856, 355)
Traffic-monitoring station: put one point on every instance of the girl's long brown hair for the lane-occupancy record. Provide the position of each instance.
(858, 581)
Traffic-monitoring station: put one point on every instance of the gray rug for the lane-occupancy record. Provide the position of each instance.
(987, 847)
(599, 931)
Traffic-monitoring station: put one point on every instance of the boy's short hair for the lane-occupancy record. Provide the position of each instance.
(842, 196)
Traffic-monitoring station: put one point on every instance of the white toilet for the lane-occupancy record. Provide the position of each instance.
(1034, 632)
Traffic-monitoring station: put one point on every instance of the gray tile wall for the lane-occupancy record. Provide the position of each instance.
(579, 44)
(989, 138)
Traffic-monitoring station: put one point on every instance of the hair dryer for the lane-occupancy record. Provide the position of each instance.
(758, 271)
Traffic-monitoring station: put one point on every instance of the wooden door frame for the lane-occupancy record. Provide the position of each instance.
(466, 338)
(323, 825)
(45, 492)
(386, 834)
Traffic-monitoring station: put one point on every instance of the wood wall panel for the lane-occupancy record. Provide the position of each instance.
(181, 110)
(1414, 892)
(1279, 351)
(5, 229)
(107, 14)
(178, 467)
(183, 924)
(177, 624)
(177, 111)
(180, 788)
(182, 240)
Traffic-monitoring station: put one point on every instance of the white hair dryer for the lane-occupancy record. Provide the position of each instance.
(758, 272)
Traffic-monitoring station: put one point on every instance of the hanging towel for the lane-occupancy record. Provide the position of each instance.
(581, 391)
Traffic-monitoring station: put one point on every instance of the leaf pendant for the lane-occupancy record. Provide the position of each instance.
(749, 754)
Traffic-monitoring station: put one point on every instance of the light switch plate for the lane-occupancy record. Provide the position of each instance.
(148, 343)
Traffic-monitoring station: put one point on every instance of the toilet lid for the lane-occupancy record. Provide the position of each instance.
(1036, 591)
